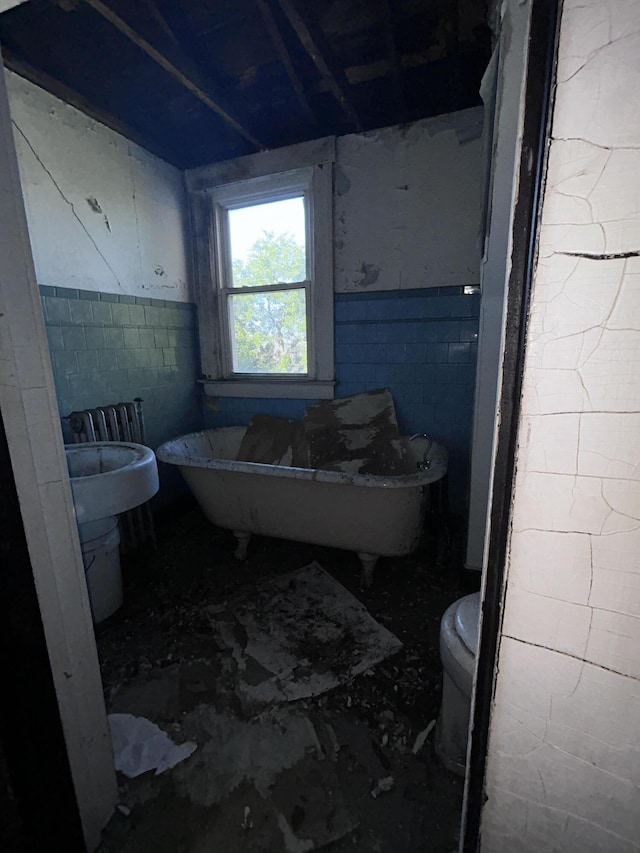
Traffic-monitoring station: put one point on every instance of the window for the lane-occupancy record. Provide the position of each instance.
(266, 281)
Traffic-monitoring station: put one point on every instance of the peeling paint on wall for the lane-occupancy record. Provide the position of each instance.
(341, 183)
(370, 274)
(407, 199)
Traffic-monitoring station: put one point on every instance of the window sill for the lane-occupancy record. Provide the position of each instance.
(295, 389)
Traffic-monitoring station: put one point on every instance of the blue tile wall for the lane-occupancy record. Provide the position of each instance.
(106, 348)
(422, 344)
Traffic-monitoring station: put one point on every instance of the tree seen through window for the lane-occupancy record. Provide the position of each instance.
(270, 327)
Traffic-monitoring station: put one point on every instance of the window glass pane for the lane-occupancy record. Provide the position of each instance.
(268, 243)
(269, 332)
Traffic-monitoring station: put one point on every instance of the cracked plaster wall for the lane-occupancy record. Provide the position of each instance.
(104, 214)
(564, 754)
(407, 205)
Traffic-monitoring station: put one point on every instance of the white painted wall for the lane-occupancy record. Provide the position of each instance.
(564, 753)
(34, 438)
(496, 264)
(9, 4)
(103, 213)
(407, 205)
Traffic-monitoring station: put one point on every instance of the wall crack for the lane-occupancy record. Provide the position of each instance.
(573, 657)
(594, 256)
(71, 205)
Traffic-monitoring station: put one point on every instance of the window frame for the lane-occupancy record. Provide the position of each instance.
(271, 188)
(306, 170)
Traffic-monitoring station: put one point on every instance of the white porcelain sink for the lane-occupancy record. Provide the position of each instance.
(110, 477)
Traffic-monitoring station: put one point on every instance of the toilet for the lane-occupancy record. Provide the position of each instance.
(458, 647)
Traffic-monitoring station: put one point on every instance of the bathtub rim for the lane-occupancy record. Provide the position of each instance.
(171, 456)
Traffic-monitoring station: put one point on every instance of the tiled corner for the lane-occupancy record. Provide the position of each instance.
(109, 347)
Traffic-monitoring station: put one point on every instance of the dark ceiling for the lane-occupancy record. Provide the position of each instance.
(197, 81)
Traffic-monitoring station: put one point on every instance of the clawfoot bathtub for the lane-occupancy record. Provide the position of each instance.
(372, 515)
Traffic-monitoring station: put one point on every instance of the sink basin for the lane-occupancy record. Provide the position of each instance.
(110, 477)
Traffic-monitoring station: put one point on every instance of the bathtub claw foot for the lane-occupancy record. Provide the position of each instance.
(368, 564)
(243, 543)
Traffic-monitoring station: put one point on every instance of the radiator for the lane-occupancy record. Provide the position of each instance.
(119, 422)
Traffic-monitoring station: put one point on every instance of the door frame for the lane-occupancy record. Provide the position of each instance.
(529, 179)
(36, 451)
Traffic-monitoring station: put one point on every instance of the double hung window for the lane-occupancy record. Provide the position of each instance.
(268, 269)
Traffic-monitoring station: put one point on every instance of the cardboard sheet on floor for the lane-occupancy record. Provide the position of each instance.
(294, 637)
(358, 434)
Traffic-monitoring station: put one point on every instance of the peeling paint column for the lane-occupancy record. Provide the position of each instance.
(563, 768)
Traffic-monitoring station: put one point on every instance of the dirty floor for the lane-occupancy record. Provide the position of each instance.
(337, 771)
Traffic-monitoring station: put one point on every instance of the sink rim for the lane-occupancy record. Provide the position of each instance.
(142, 455)
(112, 492)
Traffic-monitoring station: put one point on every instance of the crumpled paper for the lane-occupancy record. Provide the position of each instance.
(139, 745)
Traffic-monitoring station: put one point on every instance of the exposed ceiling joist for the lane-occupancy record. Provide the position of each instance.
(159, 18)
(332, 76)
(451, 40)
(204, 81)
(188, 77)
(70, 96)
(276, 36)
(395, 69)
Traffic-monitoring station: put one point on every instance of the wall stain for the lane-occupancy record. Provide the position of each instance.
(342, 184)
(370, 274)
(94, 204)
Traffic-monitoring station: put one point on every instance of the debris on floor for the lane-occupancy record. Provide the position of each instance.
(139, 745)
(421, 739)
(294, 637)
(382, 786)
(309, 700)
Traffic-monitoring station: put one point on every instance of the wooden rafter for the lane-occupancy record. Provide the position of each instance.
(394, 59)
(70, 96)
(311, 41)
(276, 36)
(188, 77)
(159, 18)
(452, 45)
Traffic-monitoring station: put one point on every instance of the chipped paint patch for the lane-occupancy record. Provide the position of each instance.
(408, 201)
(370, 274)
